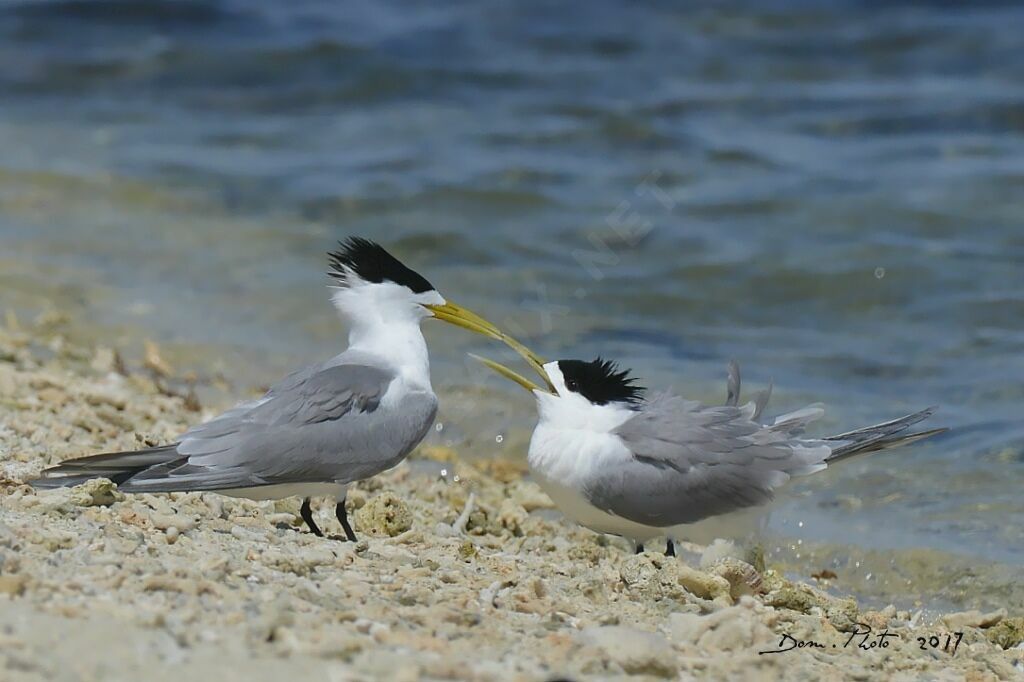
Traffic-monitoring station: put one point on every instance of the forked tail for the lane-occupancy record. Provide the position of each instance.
(117, 466)
(891, 434)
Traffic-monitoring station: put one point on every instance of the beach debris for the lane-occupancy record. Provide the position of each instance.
(1007, 633)
(384, 514)
(459, 526)
(511, 517)
(743, 578)
(654, 576)
(97, 492)
(736, 628)
(973, 619)
(705, 585)
(107, 360)
(154, 361)
(803, 598)
(165, 522)
(635, 652)
(13, 585)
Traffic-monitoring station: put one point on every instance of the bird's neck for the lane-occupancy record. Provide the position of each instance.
(576, 413)
(399, 342)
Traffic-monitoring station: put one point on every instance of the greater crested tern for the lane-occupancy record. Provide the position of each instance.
(620, 463)
(324, 426)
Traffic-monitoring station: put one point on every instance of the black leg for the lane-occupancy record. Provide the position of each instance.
(342, 515)
(670, 548)
(639, 548)
(307, 516)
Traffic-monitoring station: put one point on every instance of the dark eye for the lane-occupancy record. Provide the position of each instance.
(572, 384)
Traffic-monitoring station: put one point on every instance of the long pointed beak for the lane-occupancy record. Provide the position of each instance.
(509, 374)
(467, 319)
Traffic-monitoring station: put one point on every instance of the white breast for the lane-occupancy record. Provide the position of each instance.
(564, 460)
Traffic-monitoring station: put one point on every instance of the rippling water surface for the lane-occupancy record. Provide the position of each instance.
(830, 193)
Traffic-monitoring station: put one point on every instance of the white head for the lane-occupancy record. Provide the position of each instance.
(384, 301)
(372, 286)
(588, 394)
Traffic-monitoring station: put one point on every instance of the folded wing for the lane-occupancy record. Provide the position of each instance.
(320, 424)
(691, 461)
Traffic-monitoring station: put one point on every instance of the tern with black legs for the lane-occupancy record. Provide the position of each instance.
(322, 427)
(620, 462)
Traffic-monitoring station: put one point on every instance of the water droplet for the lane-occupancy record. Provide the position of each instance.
(879, 273)
(444, 473)
(869, 576)
(801, 524)
(499, 438)
(456, 478)
(439, 427)
(856, 564)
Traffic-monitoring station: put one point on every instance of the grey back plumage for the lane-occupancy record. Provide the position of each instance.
(691, 461)
(324, 423)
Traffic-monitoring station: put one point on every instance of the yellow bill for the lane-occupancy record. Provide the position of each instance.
(467, 319)
(509, 374)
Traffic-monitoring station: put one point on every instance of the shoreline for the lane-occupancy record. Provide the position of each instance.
(454, 577)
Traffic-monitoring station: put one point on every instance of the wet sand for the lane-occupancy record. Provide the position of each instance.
(466, 574)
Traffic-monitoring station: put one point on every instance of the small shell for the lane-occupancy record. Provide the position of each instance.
(743, 578)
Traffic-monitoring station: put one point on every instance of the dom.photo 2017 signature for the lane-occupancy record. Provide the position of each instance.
(862, 638)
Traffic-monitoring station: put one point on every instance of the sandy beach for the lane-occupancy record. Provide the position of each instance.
(462, 571)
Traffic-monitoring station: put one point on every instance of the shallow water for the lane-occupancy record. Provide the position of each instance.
(828, 193)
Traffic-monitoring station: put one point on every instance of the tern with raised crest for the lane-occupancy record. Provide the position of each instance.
(621, 463)
(324, 426)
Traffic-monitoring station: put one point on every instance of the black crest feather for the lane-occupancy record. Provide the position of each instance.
(600, 381)
(371, 262)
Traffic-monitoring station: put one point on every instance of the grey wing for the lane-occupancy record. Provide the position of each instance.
(733, 385)
(320, 424)
(691, 461)
(733, 391)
